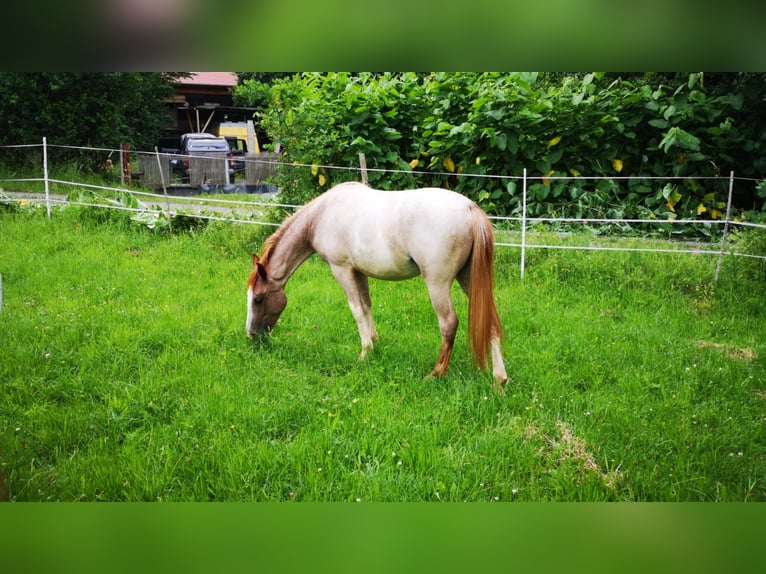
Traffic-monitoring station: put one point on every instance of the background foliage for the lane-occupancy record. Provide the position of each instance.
(84, 109)
(436, 126)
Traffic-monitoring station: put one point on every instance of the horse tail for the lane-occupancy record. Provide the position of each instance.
(483, 320)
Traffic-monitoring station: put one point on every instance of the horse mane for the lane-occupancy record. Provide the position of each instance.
(310, 208)
(266, 250)
(273, 240)
(270, 245)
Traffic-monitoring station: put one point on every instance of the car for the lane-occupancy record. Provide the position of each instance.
(185, 138)
(199, 144)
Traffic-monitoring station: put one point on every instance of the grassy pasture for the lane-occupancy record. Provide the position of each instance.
(125, 374)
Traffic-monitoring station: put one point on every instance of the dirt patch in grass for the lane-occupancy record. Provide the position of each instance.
(567, 448)
(746, 354)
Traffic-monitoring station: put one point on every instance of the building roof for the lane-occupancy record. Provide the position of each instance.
(210, 79)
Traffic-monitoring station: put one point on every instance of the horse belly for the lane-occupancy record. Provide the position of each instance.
(382, 260)
(406, 270)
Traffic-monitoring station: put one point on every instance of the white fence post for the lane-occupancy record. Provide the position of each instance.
(45, 176)
(523, 223)
(725, 227)
(164, 187)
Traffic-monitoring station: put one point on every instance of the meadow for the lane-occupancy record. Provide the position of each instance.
(125, 375)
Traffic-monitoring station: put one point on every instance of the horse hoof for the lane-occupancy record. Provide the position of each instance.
(436, 373)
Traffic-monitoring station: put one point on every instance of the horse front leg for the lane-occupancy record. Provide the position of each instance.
(362, 283)
(356, 288)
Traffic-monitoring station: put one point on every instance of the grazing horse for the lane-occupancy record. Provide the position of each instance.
(362, 232)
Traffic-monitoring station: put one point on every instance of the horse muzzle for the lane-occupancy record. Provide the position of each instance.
(259, 331)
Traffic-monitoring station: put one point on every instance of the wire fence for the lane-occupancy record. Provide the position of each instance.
(248, 211)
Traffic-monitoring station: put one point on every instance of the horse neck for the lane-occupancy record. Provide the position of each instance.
(291, 247)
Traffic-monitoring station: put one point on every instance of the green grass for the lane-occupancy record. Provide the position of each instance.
(125, 374)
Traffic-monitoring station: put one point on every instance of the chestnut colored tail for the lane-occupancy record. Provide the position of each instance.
(483, 320)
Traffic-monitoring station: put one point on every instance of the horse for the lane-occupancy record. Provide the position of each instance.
(361, 232)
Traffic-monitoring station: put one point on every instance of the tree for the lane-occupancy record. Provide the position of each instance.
(254, 88)
(84, 109)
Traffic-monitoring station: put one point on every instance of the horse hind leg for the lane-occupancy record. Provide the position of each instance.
(442, 362)
(498, 366)
(448, 323)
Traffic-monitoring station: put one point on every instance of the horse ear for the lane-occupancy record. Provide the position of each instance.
(259, 268)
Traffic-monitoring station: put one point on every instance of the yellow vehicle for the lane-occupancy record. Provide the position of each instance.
(240, 131)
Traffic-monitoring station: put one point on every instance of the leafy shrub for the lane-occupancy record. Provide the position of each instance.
(124, 208)
(432, 129)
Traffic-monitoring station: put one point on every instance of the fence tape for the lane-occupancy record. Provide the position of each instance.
(524, 219)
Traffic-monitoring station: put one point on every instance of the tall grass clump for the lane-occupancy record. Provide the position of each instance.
(125, 374)
(752, 242)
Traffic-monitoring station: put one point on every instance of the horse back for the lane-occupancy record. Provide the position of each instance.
(394, 234)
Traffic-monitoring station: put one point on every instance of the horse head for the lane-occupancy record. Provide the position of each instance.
(266, 300)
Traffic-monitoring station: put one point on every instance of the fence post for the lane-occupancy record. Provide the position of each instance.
(725, 227)
(523, 223)
(363, 166)
(162, 180)
(45, 177)
(125, 172)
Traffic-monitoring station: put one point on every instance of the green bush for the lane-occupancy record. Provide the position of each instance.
(751, 242)
(432, 129)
